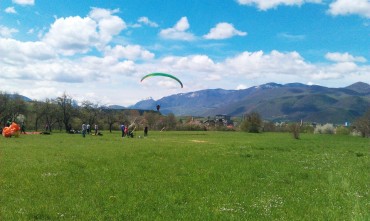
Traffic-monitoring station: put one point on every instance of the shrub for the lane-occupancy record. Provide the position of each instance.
(325, 129)
(295, 129)
(362, 124)
(342, 130)
(252, 123)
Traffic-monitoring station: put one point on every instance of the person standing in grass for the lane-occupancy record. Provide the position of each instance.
(96, 129)
(88, 128)
(84, 128)
(123, 129)
(146, 131)
(23, 128)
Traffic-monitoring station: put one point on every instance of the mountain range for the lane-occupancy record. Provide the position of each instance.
(276, 102)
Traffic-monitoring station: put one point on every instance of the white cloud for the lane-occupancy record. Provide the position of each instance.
(72, 35)
(15, 52)
(109, 25)
(241, 87)
(291, 37)
(223, 31)
(10, 10)
(197, 63)
(353, 7)
(275, 66)
(146, 21)
(259, 64)
(131, 52)
(213, 77)
(24, 2)
(178, 32)
(343, 57)
(7, 32)
(268, 4)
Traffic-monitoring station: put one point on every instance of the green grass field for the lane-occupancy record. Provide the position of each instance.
(185, 176)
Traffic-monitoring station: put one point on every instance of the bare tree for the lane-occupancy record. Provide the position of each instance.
(252, 123)
(4, 101)
(110, 117)
(37, 112)
(67, 110)
(362, 124)
(89, 112)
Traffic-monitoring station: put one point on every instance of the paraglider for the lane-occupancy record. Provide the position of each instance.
(163, 75)
(13, 129)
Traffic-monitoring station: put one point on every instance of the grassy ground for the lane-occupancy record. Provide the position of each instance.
(185, 176)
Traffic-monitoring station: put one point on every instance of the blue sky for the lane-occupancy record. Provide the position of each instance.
(99, 50)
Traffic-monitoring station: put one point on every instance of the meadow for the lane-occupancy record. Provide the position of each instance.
(185, 176)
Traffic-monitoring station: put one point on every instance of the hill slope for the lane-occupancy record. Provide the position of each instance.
(273, 101)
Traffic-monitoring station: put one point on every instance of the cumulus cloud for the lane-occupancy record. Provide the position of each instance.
(24, 2)
(198, 63)
(353, 7)
(259, 64)
(344, 57)
(268, 4)
(10, 10)
(131, 52)
(14, 51)
(72, 35)
(275, 66)
(223, 31)
(179, 31)
(7, 32)
(213, 77)
(109, 24)
(146, 21)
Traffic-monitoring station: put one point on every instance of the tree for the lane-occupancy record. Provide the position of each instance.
(89, 112)
(295, 129)
(110, 117)
(17, 106)
(50, 109)
(67, 110)
(37, 112)
(252, 123)
(4, 101)
(150, 118)
(362, 124)
(171, 121)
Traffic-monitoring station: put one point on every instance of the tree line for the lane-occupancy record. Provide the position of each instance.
(63, 113)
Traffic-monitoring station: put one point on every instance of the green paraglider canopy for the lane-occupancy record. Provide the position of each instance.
(163, 75)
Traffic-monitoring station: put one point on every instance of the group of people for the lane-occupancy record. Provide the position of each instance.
(129, 130)
(126, 130)
(86, 129)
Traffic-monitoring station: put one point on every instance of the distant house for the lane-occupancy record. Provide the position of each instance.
(220, 120)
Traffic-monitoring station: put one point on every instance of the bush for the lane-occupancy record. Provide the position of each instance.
(295, 129)
(325, 129)
(342, 130)
(362, 124)
(252, 123)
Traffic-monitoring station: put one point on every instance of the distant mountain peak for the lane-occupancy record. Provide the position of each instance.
(270, 85)
(359, 87)
(295, 85)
